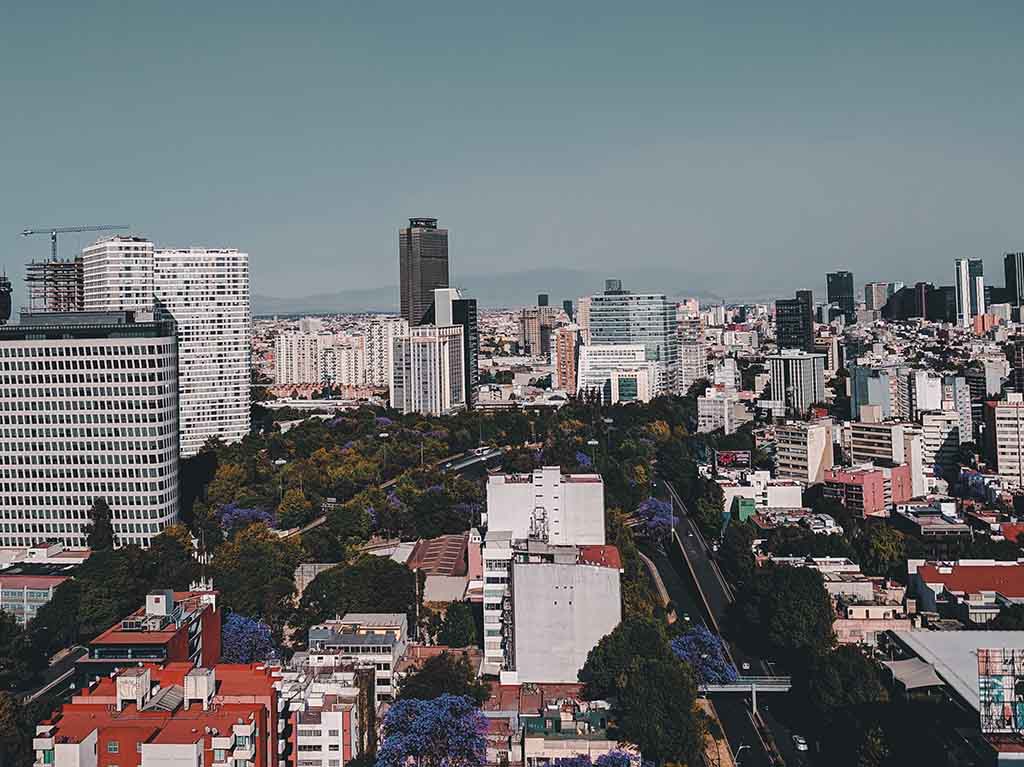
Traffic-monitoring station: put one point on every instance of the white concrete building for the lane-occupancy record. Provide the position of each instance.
(716, 409)
(803, 451)
(377, 639)
(798, 379)
(693, 363)
(89, 405)
(1004, 433)
(764, 491)
(561, 509)
(727, 374)
(117, 274)
(941, 432)
(619, 372)
(206, 293)
(380, 344)
(344, 362)
(426, 372)
(297, 356)
(890, 444)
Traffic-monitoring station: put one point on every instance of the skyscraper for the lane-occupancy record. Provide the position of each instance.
(423, 267)
(970, 289)
(426, 375)
(206, 294)
(108, 387)
(5, 299)
(1013, 268)
(118, 275)
(618, 317)
(840, 292)
(450, 308)
(797, 379)
(380, 347)
(794, 321)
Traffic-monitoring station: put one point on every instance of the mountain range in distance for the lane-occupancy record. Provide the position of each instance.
(514, 289)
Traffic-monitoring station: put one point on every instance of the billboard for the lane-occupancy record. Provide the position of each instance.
(1001, 690)
(732, 459)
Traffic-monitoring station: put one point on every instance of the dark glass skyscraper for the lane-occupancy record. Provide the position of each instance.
(794, 321)
(423, 266)
(1013, 269)
(5, 299)
(840, 292)
(464, 314)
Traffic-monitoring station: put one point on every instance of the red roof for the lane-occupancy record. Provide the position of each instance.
(1008, 580)
(116, 635)
(1011, 530)
(602, 556)
(445, 555)
(31, 581)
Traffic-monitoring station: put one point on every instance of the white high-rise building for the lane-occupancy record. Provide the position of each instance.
(941, 431)
(90, 410)
(803, 450)
(343, 363)
(380, 344)
(426, 371)
(205, 292)
(117, 275)
(798, 379)
(297, 356)
(548, 505)
(969, 284)
(716, 409)
(618, 372)
(693, 363)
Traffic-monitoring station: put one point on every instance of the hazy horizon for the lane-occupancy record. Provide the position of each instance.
(767, 143)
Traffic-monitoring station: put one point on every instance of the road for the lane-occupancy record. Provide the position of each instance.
(59, 676)
(718, 596)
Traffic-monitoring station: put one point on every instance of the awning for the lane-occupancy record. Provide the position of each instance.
(914, 673)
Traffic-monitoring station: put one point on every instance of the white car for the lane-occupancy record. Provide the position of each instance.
(799, 743)
(745, 666)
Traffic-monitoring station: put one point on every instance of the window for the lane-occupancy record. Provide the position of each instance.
(113, 747)
(333, 733)
(218, 754)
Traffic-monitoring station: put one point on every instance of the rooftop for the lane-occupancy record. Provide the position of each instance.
(1006, 579)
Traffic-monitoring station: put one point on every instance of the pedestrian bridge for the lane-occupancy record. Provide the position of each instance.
(751, 685)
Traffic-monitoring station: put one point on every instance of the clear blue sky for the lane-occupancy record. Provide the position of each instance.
(757, 138)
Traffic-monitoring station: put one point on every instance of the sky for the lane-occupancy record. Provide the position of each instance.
(769, 142)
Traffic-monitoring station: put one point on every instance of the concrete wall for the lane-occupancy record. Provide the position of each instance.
(560, 612)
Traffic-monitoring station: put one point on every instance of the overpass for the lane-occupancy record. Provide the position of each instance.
(751, 685)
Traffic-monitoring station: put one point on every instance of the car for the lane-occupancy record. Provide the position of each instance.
(799, 743)
(481, 450)
(745, 666)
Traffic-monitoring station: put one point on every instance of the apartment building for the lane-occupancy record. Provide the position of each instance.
(559, 508)
(716, 409)
(803, 450)
(427, 375)
(376, 640)
(1004, 433)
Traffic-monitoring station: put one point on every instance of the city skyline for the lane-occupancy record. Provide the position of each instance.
(754, 138)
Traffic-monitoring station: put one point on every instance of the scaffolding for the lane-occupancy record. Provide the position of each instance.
(1001, 690)
(55, 285)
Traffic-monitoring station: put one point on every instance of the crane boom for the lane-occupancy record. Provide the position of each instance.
(53, 231)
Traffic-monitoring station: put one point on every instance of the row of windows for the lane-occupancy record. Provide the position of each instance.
(83, 514)
(38, 450)
(84, 351)
(28, 399)
(66, 472)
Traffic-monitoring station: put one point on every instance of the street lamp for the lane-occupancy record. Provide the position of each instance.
(384, 463)
(736, 756)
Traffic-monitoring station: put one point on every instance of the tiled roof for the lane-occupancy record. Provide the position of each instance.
(1008, 580)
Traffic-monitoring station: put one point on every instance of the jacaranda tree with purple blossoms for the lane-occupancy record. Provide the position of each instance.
(656, 517)
(705, 654)
(231, 517)
(244, 640)
(448, 731)
(616, 758)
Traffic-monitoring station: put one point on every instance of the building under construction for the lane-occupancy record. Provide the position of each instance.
(55, 286)
(5, 298)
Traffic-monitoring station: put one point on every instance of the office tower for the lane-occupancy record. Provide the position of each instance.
(426, 373)
(90, 404)
(297, 356)
(55, 286)
(839, 287)
(1013, 271)
(970, 289)
(583, 318)
(566, 352)
(451, 309)
(618, 317)
(567, 308)
(617, 373)
(380, 345)
(542, 299)
(117, 275)
(423, 266)
(794, 322)
(876, 294)
(205, 292)
(797, 379)
(5, 299)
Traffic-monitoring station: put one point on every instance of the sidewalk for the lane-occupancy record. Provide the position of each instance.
(716, 752)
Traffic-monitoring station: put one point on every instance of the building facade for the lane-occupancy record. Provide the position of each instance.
(797, 379)
(600, 363)
(380, 345)
(423, 267)
(839, 291)
(1005, 437)
(90, 410)
(566, 352)
(794, 322)
(426, 375)
(803, 451)
(117, 275)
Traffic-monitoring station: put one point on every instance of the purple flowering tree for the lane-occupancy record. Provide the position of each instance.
(656, 517)
(583, 460)
(616, 758)
(231, 516)
(448, 731)
(705, 654)
(382, 420)
(245, 640)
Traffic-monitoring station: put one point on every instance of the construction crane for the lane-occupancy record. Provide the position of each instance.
(55, 230)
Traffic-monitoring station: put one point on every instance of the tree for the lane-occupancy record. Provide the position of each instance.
(255, 572)
(708, 516)
(369, 584)
(244, 640)
(448, 731)
(111, 585)
(55, 625)
(1010, 618)
(656, 710)
(458, 629)
(884, 550)
(445, 673)
(657, 517)
(294, 510)
(785, 612)
(100, 532)
(839, 680)
(609, 662)
(172, 556)
(736, 554)
(704, 653)
(20, 661)
(17, 728)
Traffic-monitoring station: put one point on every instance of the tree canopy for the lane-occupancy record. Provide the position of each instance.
(450, 673)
